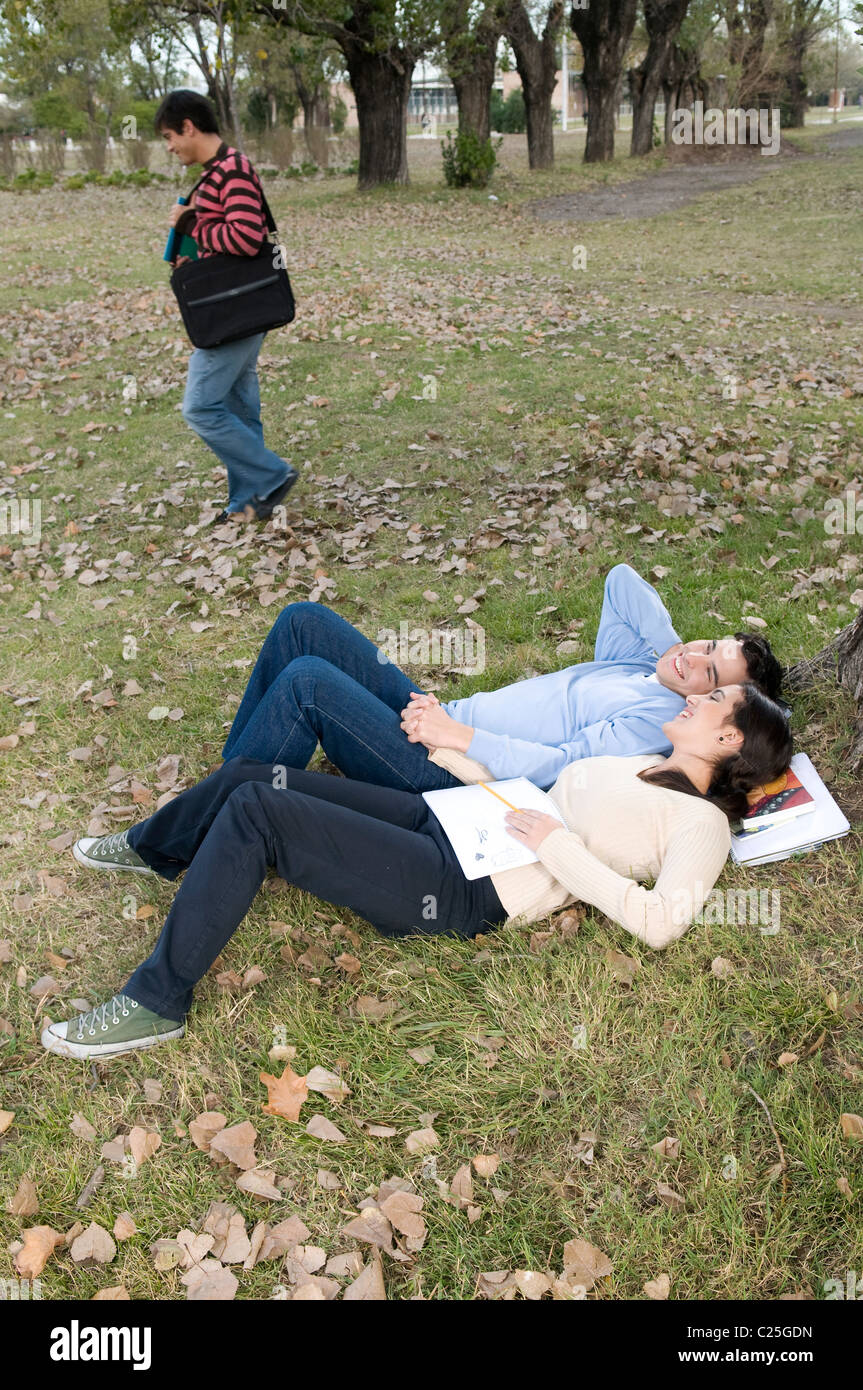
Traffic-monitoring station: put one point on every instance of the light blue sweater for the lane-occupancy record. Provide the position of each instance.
(609, 705)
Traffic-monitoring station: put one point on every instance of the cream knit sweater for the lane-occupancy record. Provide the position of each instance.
(621, 832)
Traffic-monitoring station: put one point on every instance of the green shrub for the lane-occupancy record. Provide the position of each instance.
(32, 180)
(510, 115)
(467, 160)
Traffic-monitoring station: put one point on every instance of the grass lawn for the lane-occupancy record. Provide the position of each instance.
(474, 418)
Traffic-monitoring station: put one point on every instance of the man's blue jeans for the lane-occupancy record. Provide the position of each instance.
(318, 680)
(222, 404)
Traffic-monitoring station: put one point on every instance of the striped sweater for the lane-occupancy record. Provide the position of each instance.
(229, 213)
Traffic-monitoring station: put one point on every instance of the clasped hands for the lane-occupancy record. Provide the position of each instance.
(425, 722)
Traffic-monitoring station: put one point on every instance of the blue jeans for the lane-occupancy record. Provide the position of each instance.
(222, 404)
(318, 680)
(380, 853)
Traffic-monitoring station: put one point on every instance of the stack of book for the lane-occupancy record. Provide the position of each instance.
(790, 816)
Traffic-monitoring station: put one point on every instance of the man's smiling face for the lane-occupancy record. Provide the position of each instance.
(696, 668)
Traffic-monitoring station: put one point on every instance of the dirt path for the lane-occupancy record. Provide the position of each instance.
(675, 187)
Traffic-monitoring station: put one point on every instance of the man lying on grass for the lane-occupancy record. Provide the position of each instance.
(317, 679)
(382, 853)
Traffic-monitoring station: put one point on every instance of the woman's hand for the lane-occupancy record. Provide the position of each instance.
(424, 721)
(530, 827)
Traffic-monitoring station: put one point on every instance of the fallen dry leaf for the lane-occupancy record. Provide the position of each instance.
(115, 1294)
(286, 1094)
(143, 1143)
(669, 1197)
(531, 1284)
(38, 1243)
(260, 1183)
(210, 1282)
(328, 1084)
(623, 967)
(93, 1246)
(25, 1202)
(669, 1147)
(659, 1288)
(81, 1128)
(236, 1144)
(372, 1226)
(204, 1127)
(231, 1245)
(368, 1287)
(722, 969)
(852, 1126)
(584, 1263)
(322, 1128)
(419, 1140)
(124, 1227)
(485, 1165)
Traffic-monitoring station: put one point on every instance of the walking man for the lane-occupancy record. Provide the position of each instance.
(222, 401)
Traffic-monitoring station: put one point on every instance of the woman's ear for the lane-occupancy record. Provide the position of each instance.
(730, 737)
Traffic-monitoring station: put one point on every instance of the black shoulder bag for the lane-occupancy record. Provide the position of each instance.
(223, 298)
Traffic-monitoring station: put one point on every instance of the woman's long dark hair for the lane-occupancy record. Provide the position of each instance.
(762, 757)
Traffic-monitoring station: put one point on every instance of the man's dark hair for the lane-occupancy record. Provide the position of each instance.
(764, 670)
(184, 105)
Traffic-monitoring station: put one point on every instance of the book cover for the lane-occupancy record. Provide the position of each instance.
(778, 801)
(796, 836)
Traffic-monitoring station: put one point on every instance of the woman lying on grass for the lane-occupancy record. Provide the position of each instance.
(382, 854)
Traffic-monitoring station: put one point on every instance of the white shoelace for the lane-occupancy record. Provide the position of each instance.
(111, 844)
(99, 1015)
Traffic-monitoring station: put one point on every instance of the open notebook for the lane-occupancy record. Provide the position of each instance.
(473, 820)
(805, 832)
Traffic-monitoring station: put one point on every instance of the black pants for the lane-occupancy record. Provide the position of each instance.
(377, 851)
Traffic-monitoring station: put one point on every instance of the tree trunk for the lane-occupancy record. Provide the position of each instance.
(315, 102)
(536, 60)
(470, 61)
(381, 85)
(603, 30)
(796, 89)
(663, 19)
(842, 659)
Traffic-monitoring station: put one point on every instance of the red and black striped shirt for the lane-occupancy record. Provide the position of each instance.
(229, 207)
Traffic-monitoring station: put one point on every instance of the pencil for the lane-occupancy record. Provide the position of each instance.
(498, 795)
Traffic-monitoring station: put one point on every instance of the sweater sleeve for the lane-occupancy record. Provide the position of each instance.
(634, 621)
(656, 916)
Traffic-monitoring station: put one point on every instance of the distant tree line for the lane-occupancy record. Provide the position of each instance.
(82, 65)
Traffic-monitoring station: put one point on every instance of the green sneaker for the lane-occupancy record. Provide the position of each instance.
(117, 1026)
(109, 852)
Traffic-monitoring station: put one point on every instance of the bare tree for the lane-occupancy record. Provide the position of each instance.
(381, 41)
(536, 60)
(471, 53)
(662, 19)
(603, 30)
(799, 22)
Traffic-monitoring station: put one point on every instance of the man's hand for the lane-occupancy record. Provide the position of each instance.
(530, 827)
(425, 722)
(176, 213)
